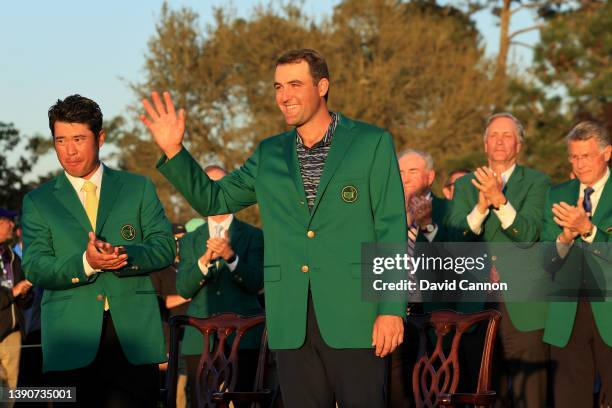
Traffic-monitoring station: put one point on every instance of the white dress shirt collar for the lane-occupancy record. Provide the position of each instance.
(77, 182)
(224, 225)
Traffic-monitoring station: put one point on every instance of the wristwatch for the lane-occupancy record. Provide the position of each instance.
(429, 228)
(586, 235)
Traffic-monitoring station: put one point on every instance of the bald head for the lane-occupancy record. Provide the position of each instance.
(215, 172)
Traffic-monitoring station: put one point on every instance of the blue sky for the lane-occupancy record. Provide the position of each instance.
(51, 49)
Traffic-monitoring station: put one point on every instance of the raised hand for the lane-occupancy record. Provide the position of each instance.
(420, 207)
(573, 220)
(166, 127)
(221, 247)
(490, 184)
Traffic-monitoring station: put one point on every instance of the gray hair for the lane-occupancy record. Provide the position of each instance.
(587, 130)
(429, 162)
(519, 126)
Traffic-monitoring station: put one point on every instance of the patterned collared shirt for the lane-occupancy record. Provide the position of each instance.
(312, 160)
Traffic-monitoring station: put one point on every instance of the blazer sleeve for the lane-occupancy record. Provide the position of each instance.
(40, 264)
(228, 195)
(157, 249)
(248, 274)
(457, 228)
(189, 278)
(388, 209)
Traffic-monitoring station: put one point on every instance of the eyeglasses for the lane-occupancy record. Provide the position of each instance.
(573, 158)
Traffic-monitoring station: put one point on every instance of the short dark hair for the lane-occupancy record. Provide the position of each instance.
(76, 109)
(316, 63)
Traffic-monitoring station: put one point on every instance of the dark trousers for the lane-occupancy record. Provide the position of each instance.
(520, 369)
(317, 376)
(402, 364)
(30, 363)
(110, 380)
(574, 366)
(247, 368)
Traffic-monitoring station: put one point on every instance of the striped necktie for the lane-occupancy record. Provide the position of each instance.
(413, 295)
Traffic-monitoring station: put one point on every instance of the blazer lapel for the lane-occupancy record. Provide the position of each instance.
(293, 168)
(235, 233)
(512, 190)
(65, 194)
(111, 185)
(604, 206)
(341, 141)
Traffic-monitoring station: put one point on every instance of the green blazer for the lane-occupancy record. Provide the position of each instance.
(55, 228)
(584, 261)
(221, 290)
(359, 199)
(526, 191)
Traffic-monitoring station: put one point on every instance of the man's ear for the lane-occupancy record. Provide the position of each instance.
(101, 138)
(323, 86)
(431, 177)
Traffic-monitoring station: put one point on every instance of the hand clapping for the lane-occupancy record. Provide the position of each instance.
(490, 185)
(103, 256)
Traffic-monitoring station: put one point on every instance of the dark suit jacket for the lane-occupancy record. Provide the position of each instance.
(221, 290)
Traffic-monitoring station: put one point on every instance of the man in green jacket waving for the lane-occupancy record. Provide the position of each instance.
(323, 188)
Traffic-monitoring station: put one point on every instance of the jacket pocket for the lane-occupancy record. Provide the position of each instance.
(272, 273)
(52, 299)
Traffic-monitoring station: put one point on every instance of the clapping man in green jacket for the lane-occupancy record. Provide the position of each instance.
(91, 237)
(578, 220)
(503, 202)
(323, 188)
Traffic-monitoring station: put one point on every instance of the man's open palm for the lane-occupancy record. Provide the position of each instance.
(164, 124)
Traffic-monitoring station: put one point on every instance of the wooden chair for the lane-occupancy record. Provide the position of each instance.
(435, 376)
(218, 367)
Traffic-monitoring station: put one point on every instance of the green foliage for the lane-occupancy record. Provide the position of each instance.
(575, 55)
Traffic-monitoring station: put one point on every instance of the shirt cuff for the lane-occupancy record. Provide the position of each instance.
(430, 236)
(506, 214)
(87, 267)
(232, 266)
(563, 249)
(475, 220)
(203, 268)
(591, 238)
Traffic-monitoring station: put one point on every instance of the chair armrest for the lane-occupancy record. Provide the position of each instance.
(242, 397)
(450, 400)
